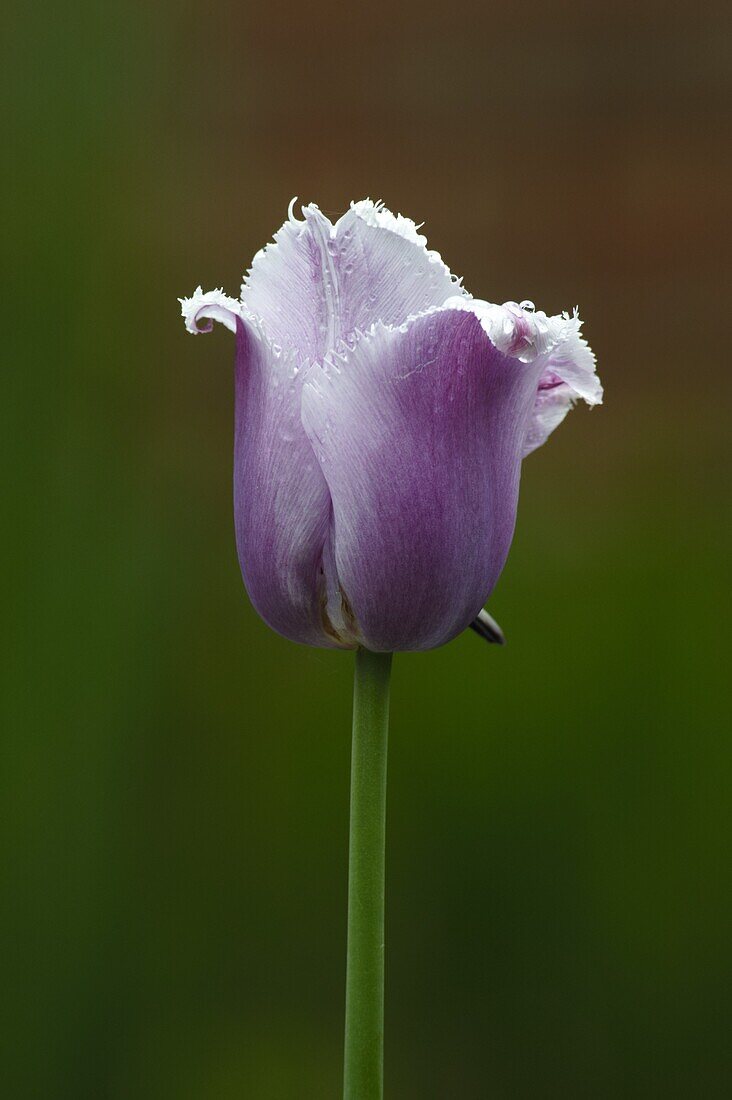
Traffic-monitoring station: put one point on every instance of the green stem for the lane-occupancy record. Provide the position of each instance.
(363, 1077)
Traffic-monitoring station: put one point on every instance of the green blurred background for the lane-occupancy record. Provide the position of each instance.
(175, 776)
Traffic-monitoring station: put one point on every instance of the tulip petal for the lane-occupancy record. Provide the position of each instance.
(419, 433)
(386, 272)
(317, 282)
(281, 500)
(567, 363)
(287, 286)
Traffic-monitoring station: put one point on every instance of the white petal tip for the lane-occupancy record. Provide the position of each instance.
(291, 212)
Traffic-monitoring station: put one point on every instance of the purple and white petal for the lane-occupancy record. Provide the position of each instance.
(317, 283)
(281, 499)
(556, 343)
(288, 286)
(385, 270)
(419, 431)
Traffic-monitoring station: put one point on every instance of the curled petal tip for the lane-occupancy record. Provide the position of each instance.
(487, 627)
(291, 212)
(212, 306)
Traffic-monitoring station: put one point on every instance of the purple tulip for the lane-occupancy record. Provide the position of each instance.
(382, 415)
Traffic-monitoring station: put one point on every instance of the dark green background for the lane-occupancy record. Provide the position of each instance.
(175, 776)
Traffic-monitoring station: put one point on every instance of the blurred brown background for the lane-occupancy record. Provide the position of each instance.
(174, 799)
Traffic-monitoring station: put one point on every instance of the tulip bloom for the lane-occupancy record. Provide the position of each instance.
(382, 415)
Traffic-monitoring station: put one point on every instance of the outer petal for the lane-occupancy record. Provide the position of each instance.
(281, 500)
(567, 363)
(419, 433)
(318, 282)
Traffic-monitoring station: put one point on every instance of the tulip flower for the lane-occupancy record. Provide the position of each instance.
(382, 415)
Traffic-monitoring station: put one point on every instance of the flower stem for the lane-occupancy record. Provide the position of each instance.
(364, 1048)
